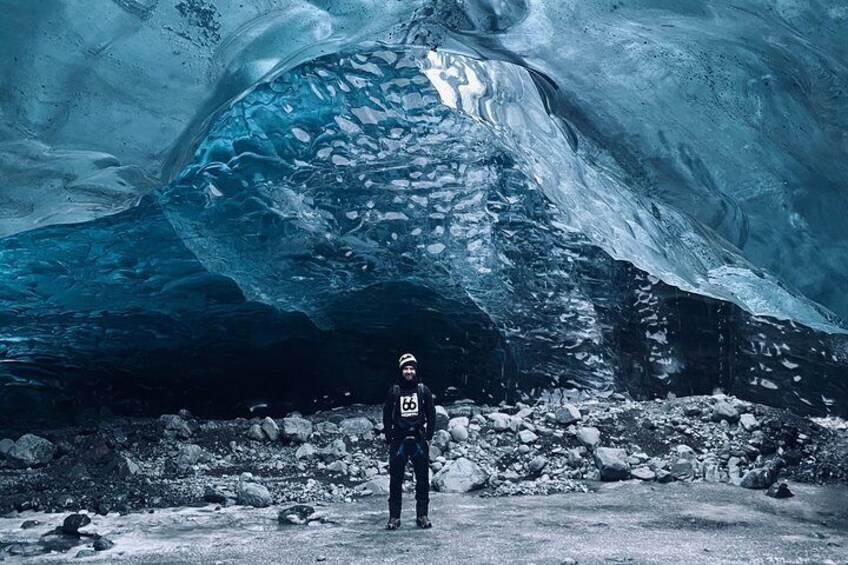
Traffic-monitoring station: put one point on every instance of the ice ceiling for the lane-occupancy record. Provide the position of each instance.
(534, 195)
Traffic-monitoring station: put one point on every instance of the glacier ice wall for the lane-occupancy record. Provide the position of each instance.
(584, 194)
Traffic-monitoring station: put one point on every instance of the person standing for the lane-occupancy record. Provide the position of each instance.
(409, 422)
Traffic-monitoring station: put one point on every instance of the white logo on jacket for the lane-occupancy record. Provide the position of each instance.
(409, 405)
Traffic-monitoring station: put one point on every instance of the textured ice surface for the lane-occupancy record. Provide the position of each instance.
(514, 187)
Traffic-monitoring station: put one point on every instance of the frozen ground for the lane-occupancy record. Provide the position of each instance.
(619, 523)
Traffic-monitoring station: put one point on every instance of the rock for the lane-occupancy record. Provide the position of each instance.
(537, 464)
(121, 466)
(337, 467)
(326, 428)
(85, 553)
(214, 495)
(458, 433)
(255, 433)
(567, 415)
(298, 515)
(175, 426)
(589, 436)
(462, 475)
(73, 523)
(5, 445)
(189, 455)
(711, 473)
(271, 429)
(612, 463)
(78, 472)
(336, 450)
(759, 478)
(682, 469)
(526, 436)
(749, 422)
(251, 493)
(356, 426)
(643, 474)
(500, 422)
(296, 429)
(31, 451)
(664, 476)
(779, 491)
(377, 485)
(723, 410)
(442, 418)
(102, 544)
(30, 524)
(441, 439)
(306, 451)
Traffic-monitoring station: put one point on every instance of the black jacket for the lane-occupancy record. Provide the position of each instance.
(409, 410)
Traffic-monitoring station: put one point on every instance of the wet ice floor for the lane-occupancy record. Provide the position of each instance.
(620, 523)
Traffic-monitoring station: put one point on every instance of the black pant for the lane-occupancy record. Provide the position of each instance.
(402, 451)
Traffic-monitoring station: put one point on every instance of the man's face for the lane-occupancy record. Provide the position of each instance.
(408, 372)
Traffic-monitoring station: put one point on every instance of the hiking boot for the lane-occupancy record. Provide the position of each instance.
(394, 524)
(423, 522)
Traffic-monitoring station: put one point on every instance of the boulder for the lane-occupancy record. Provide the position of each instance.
(643, 474)
(189, 455)
(214, 495)
(526, 436)
(251, 493)
(759, 478)
(749, 422)
(121, 466)
(31, 451)
(612, 463)
(378, 485)
(462, 475)
(296, 429)
(175, 426)
(102, 544)
(589, 436)
(441, 439)
(500, 422)
(306, 451)
(255, 432)
(537, 464)
(779, 491)
(336, 450)
(73, 523)
(298, 515)
(682, 469)
(442, 418)
(458, 433)
(723, 410)
(356, 426)
(567, 415)
(5, 445)
(271, 429)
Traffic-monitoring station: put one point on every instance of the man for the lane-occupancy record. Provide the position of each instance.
(409, 421)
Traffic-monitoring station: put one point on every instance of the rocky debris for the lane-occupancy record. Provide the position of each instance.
(299, 514)
(779, 490)
(31, 451)
(296, 429)
(251, 493)
(175, 426)
(612, 463)
(527, 436)
(27, 524)
(127, 464)
(72, 524)
(461, 475)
